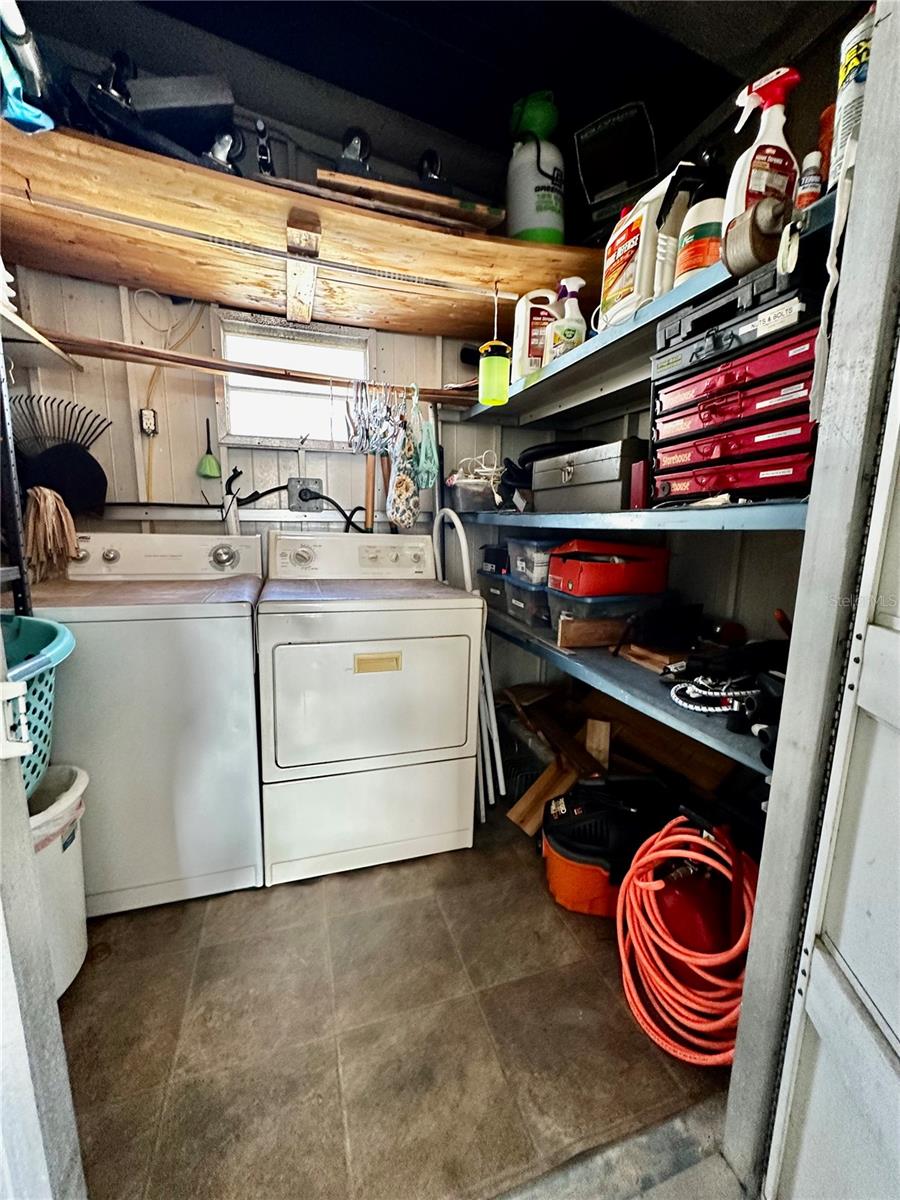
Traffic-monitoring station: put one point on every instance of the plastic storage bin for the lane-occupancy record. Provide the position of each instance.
(495, 559)
(529, 559)
(56, 808)
(527, 602)
(595, 607)
(492, 590)
(473, 495)
(34, 649)
(591, 568)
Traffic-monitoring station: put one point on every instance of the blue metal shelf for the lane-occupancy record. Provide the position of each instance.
(782, 514)
(635, 686)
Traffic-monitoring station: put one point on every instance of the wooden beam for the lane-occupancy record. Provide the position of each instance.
(78, 205)
(87, 347)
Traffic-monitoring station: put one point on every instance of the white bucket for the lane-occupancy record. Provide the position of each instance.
(56, 808)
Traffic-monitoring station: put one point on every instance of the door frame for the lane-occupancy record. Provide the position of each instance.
(856, 391)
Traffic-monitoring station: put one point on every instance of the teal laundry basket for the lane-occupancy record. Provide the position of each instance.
(34, 649)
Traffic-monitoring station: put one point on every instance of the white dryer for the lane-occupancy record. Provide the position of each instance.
(368, 677)
(158, 704)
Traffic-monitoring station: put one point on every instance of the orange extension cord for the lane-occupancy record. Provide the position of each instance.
(695, 1022)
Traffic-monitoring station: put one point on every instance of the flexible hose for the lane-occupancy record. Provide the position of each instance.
(695, 1022)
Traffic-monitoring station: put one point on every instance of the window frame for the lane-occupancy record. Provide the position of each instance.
(264, 325)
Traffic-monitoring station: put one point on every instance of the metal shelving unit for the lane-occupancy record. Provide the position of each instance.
(609, 374)
(632, 685)
(740, 518)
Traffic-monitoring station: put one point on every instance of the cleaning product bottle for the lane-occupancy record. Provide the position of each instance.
(809, 189)
(700, 236)
(852, 75)
(534, 312)
(570, 329)
(630, 274)
(534, 180)
(768, 167)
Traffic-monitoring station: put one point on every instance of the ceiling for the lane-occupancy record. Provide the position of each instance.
(461, 65)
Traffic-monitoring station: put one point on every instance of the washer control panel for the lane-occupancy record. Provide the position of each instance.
(164, 556)
(350, 556)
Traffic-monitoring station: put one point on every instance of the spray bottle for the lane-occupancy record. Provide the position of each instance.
(534, 312)
(569, 330)
(700, 236)
(768, 167)
(534, 180)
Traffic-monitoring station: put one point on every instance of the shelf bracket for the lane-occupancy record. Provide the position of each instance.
(303, 234)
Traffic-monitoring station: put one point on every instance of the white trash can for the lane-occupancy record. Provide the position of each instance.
(56, 808)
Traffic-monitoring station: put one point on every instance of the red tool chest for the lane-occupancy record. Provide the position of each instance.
(589, 568)
(739, 373)
(719, 412)
(775, 474)
(791, 432)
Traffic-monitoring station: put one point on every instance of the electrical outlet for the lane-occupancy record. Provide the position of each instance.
(295, 504)
(149, 422)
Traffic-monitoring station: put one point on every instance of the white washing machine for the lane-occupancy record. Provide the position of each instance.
(158, 704)
(368, 678)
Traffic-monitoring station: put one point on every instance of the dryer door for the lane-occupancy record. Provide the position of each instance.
(344, 690)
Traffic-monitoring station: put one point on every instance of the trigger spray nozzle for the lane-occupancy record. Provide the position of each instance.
(771, 89)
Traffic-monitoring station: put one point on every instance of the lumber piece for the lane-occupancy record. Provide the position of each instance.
(578, 633)
(597, 739)
(653, 660)
(84, 206)
(702, 766)
(483, 216)
(540, 720)
(528, 811)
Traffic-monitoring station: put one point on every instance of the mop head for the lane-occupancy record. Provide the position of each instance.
(50, 538)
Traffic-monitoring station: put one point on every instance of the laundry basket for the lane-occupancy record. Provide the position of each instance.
(34, 649)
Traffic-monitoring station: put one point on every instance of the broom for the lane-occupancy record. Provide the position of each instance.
(208, 466)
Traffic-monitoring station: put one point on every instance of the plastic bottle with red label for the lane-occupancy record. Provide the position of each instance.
(768, 167)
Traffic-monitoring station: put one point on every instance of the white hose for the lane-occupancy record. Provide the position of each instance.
(489, 737)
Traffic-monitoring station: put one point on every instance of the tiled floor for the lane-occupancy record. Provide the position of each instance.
(425, 1030)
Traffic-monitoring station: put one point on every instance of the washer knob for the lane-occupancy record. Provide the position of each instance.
(223, 556)
(303, 557)
(394, 556)
(416, 556)
(111, 556)
(81, 555)
(372, 555)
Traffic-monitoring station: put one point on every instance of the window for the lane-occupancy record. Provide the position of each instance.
(273, 412)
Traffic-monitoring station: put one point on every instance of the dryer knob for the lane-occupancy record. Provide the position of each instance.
(416, 556)
(303, 557)
(394, 556)
(372, 555)
(111, 556)
(81, 555)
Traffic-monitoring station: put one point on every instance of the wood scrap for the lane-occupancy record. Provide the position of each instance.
(423, 217)
(538, 718)
(432, 204)
(576, 633)
(653, 660)
(558, 778)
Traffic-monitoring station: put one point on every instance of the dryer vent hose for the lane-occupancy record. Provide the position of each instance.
(683, 948)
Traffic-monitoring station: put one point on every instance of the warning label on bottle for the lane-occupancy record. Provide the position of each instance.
(772, 173)
(620, 264)
(538, 321)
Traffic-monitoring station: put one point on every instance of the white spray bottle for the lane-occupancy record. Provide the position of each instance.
(768, 167)
(569, 330)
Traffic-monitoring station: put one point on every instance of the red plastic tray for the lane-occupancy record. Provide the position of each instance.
(763, 474)
(737, 373)
(573, 571)
(734, 408)
(794, 433)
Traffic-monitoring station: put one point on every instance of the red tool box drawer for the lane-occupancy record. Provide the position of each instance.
(740, 372)
(761, 474)
(589, 568)
(794, 433)
(734, 408)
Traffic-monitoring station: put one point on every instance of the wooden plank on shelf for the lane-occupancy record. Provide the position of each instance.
(485, 216)
(579, 633)
(386, 208)
(177, 359)
(83, 206)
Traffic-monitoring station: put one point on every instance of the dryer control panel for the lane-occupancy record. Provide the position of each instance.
(350, 556)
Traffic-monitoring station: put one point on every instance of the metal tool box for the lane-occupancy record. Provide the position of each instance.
(597, 479)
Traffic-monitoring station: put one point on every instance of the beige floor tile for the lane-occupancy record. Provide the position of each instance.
(146, 932)
(120, 1023)
(507, 929)
(117, 1141)
(269, 1132)
(256, 997)
(256, 911)
(429, 1114)
(582, 1069)
(392, 959)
